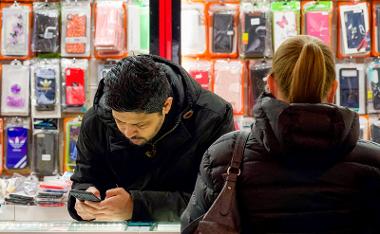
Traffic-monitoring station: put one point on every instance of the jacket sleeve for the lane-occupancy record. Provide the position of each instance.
(86, 174)
(168, 205)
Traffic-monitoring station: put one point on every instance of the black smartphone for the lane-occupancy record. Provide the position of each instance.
(223, 33)
(349, 87)
(82, 195)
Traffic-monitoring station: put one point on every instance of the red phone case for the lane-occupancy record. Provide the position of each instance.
(75, 93)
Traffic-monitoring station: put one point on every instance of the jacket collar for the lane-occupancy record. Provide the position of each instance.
(304, 131)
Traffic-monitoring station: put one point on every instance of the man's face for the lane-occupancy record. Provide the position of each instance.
(138, 127)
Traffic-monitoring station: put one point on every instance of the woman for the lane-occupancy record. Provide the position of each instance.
(304, 169)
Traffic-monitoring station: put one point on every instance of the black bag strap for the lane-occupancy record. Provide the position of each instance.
(224, 206)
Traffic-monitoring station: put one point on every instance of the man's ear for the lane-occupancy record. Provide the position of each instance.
(331, 93)
(167, 105)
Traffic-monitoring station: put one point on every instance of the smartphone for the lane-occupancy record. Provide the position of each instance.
(84, 195)
(349, 88)
(223, 33)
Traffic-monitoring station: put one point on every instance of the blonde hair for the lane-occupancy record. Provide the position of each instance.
(304, 68)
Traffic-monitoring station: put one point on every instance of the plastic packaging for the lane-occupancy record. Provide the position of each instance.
(364, 127)
(16, 137)
(193, 29)
(1, 145)
(138, 27)
(374, 126)
(45, 147)
(223, 20)
(258, 70)
(45, 27)
(373, 87)
(74, 84)
(229, 83)
(76, 26)
(71, 130)
(200, 70)
(353, 30)
(15, 89)
(375, 28)
(317, 20)
(15, 33)
(110, 29)
(285, 21)
(351, 86)
(256, 29)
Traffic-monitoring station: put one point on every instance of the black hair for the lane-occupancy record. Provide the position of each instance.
(136, 84)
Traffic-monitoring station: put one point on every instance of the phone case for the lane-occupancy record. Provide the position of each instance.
(46, 31)
(202, 77)
(222, 33)
(76, 28)
(317, 25)
(375, 87)
(356, 30)
(193, 38)
(285, 26)
(254, 35)
(378, 27)
(256, 85)
(375, 133)
(72, 134)
(349, 87)
(45, 88)
(75, 92)
(16, 148)
(15, 33)
(45, 153)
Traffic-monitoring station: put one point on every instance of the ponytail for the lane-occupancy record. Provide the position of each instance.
(308, 83)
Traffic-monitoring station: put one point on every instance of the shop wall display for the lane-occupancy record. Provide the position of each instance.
(257, 28)
(52, 56)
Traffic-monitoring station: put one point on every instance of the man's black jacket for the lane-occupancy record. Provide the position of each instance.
(161, 175)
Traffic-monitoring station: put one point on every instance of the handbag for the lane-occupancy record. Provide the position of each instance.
(223, 216)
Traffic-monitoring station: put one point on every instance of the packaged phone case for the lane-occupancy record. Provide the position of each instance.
(375, 28)
(110, 29)
(355, 39)
(374, 127)
(373, 87)
(317, 22)
(16, 136)
(76, 26)
(193, 29)
(74, 73)
(229, 83)
(258, 71)
(285, 21)
(15, 89)
(223, 30)
(364, 127)
(45, 88)
(72, 130)
(45, 147)
(138, 27)
(256, 33)
(45, 27)
(351, 86)
(15, 33)
(200, 70)
(1, 145)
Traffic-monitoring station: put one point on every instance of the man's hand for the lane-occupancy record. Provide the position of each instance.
(117, 206)
(86, 211)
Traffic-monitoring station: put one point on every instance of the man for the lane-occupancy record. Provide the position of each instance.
(141, 143)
